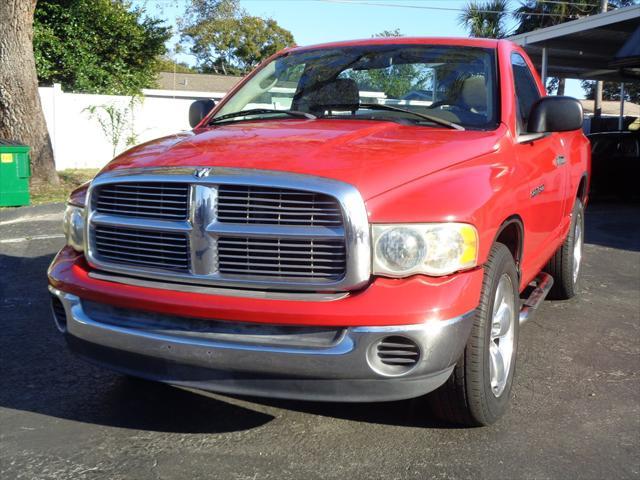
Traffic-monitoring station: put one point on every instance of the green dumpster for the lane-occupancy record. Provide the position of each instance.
(14, 174)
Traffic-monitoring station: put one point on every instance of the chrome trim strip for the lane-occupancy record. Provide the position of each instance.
(226, 292)
(139, 223)
(202, 239)
(265, 231)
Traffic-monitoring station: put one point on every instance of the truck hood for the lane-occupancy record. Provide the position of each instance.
(374, 156)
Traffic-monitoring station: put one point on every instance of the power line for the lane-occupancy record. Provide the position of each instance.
(422, 7)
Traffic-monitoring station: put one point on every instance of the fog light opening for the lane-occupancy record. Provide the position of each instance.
(59, 314)
(394, 355)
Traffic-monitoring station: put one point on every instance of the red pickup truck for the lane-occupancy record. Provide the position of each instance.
(359, 221)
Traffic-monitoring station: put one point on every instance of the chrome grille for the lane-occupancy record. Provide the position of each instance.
(167, 201)
(276, 206)
(165, 250)
(314, 259)
(229, 227)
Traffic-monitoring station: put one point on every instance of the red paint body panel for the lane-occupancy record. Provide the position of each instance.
(385, 302)
(372, 155)
(405, 174)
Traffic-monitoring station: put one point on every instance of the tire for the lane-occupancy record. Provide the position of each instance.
(565, 264)
(469, 397)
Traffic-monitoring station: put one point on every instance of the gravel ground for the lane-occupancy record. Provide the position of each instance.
(574, 414)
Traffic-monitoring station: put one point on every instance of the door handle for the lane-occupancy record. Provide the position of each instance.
(560, 160)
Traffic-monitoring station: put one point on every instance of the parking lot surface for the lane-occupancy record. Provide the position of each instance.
(575, 409)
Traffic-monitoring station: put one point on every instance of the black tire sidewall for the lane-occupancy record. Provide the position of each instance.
(566, 287)
(496, 406)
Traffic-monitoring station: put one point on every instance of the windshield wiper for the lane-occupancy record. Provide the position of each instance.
(261, 111)
(430, 118)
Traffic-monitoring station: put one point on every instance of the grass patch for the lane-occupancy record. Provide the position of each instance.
(42, 193)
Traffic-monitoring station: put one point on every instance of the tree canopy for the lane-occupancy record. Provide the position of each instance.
(224, 39)
(97, 46)
(611, 91)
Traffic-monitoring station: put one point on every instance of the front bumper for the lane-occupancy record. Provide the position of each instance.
(339, 369)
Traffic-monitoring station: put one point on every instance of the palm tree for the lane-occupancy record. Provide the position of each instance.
(485, 19)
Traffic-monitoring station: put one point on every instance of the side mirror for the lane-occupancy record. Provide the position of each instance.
(198, 110)
(555, 114)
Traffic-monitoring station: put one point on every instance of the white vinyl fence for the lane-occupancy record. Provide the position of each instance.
(78, 140)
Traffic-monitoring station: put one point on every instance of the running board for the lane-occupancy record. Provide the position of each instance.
(543, 284)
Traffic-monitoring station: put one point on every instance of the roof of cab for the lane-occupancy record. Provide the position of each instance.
(461, 42)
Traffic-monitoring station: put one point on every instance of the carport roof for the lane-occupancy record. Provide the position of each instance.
(599, 47)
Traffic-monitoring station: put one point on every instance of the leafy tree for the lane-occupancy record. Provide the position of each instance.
(611, 91)
(485, 19)
(166, 64)
(97, 46)
(226, 40)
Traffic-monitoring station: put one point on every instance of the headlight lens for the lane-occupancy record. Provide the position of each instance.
(74, 227)
(432, 248)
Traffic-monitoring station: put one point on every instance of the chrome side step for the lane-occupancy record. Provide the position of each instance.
(543, 284)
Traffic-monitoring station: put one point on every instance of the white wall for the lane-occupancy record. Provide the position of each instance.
(78, 141)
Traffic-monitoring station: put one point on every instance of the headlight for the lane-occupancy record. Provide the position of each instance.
(431, 248)
(73, 225)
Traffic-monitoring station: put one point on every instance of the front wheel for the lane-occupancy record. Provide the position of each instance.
(478, 391)
(565, 264)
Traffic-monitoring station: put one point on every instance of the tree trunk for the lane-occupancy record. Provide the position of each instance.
(21, 116)
(561, 84)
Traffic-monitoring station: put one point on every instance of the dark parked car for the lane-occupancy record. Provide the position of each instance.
(615, 163)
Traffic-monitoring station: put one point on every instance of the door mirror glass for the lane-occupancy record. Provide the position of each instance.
(555, 114)
(198, 110)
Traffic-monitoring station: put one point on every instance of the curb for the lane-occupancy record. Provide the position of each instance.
(28, 212)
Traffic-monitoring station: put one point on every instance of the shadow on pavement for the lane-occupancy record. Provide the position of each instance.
(613, 224)
(40, 375)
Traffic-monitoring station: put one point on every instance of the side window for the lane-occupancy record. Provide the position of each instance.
(526, 89)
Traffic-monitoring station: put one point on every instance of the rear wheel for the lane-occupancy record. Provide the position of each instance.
(566, 263)
(478, 391)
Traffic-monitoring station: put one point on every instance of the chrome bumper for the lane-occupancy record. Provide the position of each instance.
(341, 371)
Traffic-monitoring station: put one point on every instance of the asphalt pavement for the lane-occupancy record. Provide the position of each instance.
(575, 411)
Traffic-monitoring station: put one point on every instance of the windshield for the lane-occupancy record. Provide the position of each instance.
(450, 83)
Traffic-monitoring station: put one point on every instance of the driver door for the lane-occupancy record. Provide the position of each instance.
(545, 168)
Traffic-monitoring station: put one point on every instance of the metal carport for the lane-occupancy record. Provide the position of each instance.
(605, 46)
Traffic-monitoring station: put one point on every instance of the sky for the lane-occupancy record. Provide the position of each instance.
(319, 21)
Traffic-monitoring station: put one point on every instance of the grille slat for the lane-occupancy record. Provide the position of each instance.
(298, 259)
(124, 236)
(293, 252)
(124, 243)
(149, 186)
(139, 204)
(165, 201)
(259, 200)
(246, 205)
(142, 194)
(290, 210)
(118, 249)
(132, 248)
